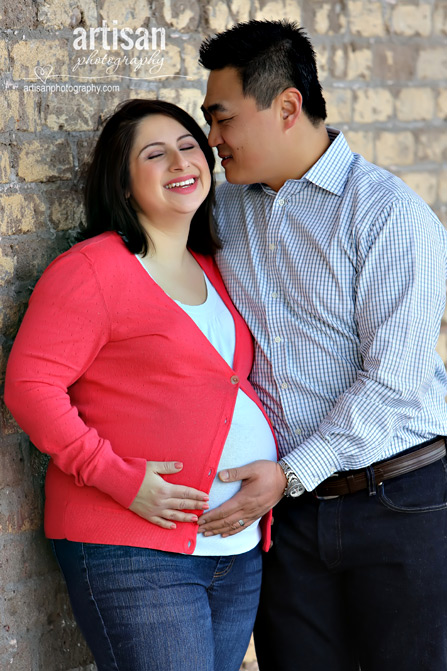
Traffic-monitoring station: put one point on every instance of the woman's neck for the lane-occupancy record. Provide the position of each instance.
(167, 244)
(172, 266)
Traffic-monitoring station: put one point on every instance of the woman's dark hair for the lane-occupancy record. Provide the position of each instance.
(108, 179)
(270, 56)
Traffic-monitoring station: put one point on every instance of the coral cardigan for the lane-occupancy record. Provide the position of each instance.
(108, 372)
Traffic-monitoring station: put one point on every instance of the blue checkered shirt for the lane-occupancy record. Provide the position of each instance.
(341, 277)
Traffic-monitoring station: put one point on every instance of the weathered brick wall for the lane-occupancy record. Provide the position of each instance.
(383, 65)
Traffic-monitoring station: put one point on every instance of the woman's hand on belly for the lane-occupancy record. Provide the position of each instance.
(163, 503)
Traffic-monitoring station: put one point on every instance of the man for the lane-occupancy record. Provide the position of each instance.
(339, 270)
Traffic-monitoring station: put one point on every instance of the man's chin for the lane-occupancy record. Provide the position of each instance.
(234, 178)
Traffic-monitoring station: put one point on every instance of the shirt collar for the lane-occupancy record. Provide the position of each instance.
(331, 171)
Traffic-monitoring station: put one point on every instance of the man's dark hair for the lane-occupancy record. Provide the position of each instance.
(270, 57)
(108, 179)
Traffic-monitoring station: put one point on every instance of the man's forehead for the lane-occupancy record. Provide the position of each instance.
(224, 86)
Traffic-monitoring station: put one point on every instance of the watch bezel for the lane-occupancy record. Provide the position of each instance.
(295, 488)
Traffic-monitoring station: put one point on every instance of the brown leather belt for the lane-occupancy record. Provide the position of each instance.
(355, 481)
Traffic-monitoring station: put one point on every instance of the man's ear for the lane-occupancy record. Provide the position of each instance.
(291, 104)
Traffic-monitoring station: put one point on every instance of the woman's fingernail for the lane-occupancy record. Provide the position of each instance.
(205, 506)
(208, 533)
(173, 526)
(224, 475)
(194, 518)
(178, 464)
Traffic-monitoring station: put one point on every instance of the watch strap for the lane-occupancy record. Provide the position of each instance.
(294, 485)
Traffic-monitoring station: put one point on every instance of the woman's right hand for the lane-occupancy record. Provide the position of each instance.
(161, 502)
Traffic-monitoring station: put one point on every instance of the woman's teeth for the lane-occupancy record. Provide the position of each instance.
(173, 185)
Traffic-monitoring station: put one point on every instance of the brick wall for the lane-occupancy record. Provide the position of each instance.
(384, 69)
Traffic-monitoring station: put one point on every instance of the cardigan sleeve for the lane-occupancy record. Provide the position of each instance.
(64, 328)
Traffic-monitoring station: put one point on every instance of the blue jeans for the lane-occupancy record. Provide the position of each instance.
(146, 610)
(358, 581)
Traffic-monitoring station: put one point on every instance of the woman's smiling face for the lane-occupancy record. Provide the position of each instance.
(169, 173)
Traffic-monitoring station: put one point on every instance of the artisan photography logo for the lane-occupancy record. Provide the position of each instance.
(149, 45)
(105, 52)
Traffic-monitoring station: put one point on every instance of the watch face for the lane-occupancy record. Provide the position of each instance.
(296, 489)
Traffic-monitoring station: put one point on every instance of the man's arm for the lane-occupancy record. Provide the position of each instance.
(399, 302)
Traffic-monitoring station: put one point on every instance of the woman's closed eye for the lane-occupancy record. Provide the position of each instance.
(151, 156)
(159, 153)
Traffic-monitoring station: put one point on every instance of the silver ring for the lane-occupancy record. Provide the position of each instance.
(241, 522)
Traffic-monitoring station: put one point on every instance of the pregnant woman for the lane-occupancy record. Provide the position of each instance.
(130, 370)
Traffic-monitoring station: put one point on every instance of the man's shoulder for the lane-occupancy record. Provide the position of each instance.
(364, 177)
(378, 186)
(374, 196)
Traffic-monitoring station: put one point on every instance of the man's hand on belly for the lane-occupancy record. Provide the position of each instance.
(263, 484)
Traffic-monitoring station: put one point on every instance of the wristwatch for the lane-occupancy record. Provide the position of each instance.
(294, 486)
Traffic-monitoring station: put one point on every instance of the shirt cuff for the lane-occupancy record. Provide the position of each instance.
(313, 461)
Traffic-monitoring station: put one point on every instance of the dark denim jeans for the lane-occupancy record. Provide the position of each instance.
(358, 581)
(146, 610)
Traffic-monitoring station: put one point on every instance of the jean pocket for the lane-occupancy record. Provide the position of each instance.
(421, 491)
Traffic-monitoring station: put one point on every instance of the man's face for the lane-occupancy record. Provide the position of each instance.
(244, 136)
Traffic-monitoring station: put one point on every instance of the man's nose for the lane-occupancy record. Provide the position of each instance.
(214, 137)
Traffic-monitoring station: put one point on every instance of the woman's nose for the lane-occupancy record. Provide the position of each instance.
(179, 160)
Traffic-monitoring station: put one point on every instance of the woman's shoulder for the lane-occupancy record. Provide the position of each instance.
(97, 259)
(102, 252)
(100, 246)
